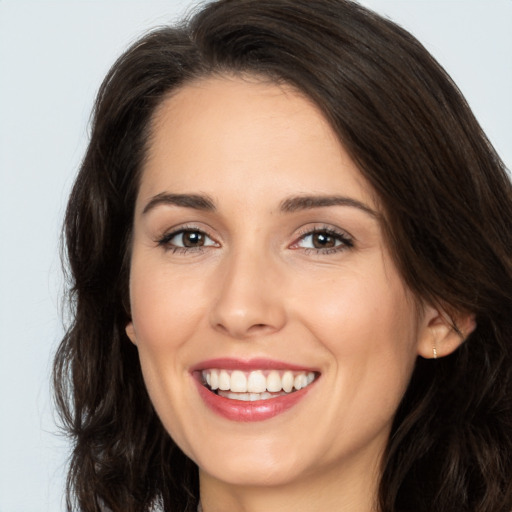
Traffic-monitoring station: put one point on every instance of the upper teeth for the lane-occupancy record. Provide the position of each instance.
(256, 381)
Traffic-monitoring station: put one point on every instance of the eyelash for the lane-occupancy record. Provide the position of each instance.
(165, 240)
(345, 241)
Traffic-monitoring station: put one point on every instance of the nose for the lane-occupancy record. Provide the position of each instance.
(251, 301)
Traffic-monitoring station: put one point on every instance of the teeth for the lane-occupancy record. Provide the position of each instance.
(214, 379)
(255, 385)
(274, 383)
(238, 382)
(288, 381)
(257, 382)
(224, 380)
(247, 397)
(300, 381)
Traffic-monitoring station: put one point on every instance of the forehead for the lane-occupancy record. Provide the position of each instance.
(222, 134)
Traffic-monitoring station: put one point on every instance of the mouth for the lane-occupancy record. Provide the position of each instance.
(252, 390)
(255, 390)
(255, 385)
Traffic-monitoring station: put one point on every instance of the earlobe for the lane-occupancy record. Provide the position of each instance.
(442, 334)
(130, 332)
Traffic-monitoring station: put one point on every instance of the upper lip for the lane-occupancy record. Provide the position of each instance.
(227, 363)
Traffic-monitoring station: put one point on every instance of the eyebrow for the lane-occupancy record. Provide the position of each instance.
(195, 201)
(289, 205)
(297, 203)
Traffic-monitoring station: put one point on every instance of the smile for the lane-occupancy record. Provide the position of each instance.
(256, 390)
(257, 384)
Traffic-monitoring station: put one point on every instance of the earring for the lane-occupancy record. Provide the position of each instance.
(434, 352)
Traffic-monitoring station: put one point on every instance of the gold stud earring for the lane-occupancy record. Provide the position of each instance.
(434, 352)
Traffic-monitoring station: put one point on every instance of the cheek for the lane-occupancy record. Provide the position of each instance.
(356, 315)
(369, 327)
(165, 315)
(165, 306)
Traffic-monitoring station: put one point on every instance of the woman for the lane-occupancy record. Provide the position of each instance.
(290, 246)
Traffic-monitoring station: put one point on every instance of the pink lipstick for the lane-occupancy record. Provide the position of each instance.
(252, 390)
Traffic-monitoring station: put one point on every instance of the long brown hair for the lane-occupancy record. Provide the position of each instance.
(448, 205)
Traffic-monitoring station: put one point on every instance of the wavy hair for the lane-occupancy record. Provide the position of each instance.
(448, 204)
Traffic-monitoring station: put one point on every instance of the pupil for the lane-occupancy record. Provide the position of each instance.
(321, 241)
(193, 239)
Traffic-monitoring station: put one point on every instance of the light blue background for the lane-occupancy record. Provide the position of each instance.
(53, 56)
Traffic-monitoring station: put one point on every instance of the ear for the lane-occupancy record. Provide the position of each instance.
(130, 332)
(441, 334)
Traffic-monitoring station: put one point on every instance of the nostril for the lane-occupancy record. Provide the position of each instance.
(260, 328)
(242, 320)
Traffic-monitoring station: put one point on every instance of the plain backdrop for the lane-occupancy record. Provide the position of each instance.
(53, 56)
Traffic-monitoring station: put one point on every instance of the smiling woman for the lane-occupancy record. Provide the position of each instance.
(283, 297)
(225, 292)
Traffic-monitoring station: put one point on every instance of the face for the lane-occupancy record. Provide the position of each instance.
(275, 334)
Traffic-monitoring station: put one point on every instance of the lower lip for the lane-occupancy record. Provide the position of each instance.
(259, 410)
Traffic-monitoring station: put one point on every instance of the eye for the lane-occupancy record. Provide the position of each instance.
(324, 240)
(186, 239)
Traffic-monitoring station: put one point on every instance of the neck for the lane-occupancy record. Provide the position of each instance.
(353, 490)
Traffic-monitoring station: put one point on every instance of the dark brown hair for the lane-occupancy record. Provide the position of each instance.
(448, 204)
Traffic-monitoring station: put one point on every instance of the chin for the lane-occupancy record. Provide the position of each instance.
(248, 472)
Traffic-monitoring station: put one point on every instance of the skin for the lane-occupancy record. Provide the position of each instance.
(258, 288)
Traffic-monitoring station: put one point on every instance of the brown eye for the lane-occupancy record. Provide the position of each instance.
(186, 239)
(193, 239)
(323, 241)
